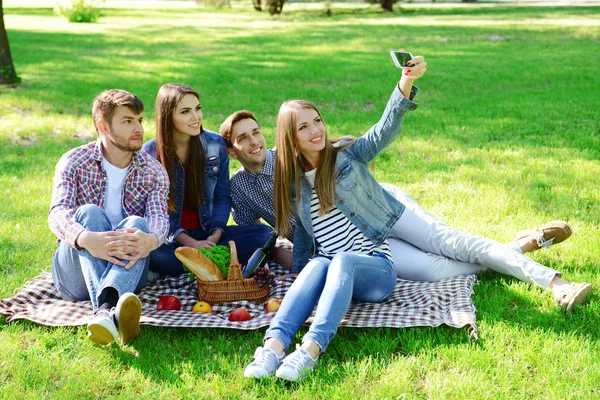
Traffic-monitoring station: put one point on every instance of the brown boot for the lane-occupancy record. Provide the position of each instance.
(551, 233)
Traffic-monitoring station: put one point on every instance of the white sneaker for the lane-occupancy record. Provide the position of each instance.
(102, 329)
(265, 363)
(296, 365)
(127, 315)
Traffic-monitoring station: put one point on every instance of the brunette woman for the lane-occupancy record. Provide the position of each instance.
(199, 196)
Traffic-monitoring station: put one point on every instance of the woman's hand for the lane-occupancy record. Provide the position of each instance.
(416, 69)
(204, 244)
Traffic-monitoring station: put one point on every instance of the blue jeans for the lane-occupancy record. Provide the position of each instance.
(333, 283)
(79, 276)
(247, 238)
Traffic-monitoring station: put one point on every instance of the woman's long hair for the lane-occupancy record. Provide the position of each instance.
(195, 164)
(289, 164)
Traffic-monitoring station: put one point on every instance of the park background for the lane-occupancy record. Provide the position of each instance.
(506, 137)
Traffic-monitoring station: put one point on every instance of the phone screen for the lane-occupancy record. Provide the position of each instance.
(401, 58)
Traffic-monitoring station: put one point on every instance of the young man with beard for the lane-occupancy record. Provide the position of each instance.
(108, 211)
(415, 256)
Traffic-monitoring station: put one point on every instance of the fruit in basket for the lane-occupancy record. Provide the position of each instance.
(273, 304)
(202, 307)
(264, 277)
(239, 314)
(199, 264)
(168, 303)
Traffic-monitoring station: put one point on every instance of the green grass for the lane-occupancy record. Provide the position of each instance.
(507, 136)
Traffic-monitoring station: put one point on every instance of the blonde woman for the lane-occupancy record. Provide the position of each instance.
(316, 179)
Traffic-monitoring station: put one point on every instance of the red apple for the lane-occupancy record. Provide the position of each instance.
(168, 303)
(239, 314)
(273, 305)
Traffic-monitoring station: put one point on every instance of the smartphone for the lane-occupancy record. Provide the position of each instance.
(401, 58)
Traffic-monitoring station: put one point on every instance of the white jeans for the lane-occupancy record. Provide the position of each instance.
(425, 249)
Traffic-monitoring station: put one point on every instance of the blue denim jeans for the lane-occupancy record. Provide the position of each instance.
(247, 238)
(333, 283)
(79, 276)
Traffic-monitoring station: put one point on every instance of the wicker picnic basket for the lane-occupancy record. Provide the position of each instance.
(235, 288)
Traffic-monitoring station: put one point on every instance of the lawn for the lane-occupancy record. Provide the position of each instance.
(506, 137)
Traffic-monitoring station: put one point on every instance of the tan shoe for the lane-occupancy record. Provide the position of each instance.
(551, 233)
(576, 293)
(127, 315)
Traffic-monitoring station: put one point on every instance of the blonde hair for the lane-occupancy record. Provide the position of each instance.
(289, 164)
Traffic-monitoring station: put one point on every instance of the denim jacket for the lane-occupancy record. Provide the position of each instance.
(215, 212)
(357, 194)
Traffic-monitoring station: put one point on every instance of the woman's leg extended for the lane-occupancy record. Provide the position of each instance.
(299, 301)
(415, 264)
(431, 235)
(349, 276)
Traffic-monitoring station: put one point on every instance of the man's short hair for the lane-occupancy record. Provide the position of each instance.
(105, 103)
(227, 126)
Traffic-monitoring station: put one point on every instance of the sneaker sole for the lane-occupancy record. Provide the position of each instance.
(101, 335)
(129, 311)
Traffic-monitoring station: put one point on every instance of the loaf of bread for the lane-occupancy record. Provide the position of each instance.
(199, 264)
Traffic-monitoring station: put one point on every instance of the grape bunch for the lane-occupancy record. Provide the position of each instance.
(263, 276)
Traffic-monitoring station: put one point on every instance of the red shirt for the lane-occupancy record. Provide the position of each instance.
(189, 217)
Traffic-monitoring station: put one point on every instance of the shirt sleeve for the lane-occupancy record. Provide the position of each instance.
(240, 209)
(61, 217)
(157, 216)
(386, 130)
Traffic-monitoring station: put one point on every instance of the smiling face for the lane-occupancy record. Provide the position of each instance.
(248, 145)
(187, 116)
(124, 132)
(311, 135)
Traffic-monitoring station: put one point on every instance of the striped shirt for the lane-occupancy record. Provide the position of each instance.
(335, 233)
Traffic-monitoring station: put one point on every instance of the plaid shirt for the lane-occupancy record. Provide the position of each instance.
(79, 179)
(252, 195)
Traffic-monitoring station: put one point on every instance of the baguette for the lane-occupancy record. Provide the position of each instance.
(199, 264)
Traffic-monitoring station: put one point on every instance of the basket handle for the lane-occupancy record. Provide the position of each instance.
(235, 272)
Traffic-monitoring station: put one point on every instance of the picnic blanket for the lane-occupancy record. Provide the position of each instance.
(411, 304)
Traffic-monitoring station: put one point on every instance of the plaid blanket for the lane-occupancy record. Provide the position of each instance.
(411, 304)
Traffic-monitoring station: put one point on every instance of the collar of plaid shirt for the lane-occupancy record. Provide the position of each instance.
(98, 156)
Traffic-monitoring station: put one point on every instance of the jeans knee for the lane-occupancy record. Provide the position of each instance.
(93, 218)
(89, 210)
(134, 221)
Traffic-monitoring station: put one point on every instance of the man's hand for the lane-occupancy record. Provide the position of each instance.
(131, 244)
(96, 243)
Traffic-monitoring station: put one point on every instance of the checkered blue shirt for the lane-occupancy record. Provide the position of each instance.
(79, 179)
(252, 195)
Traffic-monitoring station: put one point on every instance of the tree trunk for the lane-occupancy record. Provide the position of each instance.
(7, 69)
(387, 5)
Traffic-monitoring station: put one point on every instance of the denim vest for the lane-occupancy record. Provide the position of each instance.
(357, 194)
(217, 206)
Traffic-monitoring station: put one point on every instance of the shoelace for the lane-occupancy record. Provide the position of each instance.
(544, 243)
(299, 360)
(107, 313)
(262, 356)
